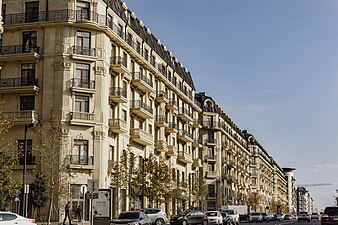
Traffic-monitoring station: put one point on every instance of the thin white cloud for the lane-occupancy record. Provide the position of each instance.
(269, 91)
(260, 107)
(326, 167)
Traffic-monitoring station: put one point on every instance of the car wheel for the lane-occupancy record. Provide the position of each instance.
(205, 222)
(159, 221)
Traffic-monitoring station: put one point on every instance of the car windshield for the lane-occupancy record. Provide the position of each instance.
(224, 214)
(255, 214)
(128, 215)
(183, 213)
(331, 211)
(211, 213)
(229, 211)
(303, 213)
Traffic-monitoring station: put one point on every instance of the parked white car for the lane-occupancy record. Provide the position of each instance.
(9, 218)
(233, 215)
(157, 216)
(214, 217)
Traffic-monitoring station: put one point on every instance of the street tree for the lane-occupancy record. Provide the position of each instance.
(52, 154)
(38, 196)
(254, 200)
(199, 190)
(9, 157)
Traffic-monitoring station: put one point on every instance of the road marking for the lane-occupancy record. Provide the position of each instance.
(284, 223)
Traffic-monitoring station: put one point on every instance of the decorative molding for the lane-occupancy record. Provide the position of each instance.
(100, 70)
(98, 135)
(62, 65)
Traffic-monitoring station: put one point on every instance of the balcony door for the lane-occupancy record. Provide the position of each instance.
(29, 40)
(83, 43)
(27, 74)
(82, 75)
(82, 11)
(31, 12)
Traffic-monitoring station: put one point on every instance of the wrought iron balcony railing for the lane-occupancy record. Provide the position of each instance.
(118, 91)
(17, 49)
(18, 82)
(142, 105)
(83, 83)
(81, 50)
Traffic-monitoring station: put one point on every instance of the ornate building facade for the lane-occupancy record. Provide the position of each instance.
(94, 68)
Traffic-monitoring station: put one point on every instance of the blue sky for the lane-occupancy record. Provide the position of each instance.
(271, 65)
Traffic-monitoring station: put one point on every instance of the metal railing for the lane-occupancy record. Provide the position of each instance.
(83, 83)
(82, 116)
(118, 91)
(141, 105)
(119, 61)
(17, 49)
(82, 50)
(140, 76)
(18, 82)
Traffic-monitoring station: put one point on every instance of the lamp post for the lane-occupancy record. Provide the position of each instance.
(190, 187)
(25, 188)
(143, 180)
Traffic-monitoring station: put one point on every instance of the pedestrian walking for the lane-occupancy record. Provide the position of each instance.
(78, 212)
(67, 214)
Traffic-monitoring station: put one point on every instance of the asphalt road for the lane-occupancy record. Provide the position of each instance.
(286, 222)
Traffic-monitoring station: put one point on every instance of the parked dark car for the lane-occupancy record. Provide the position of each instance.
(330, 216)
(130, 217)
(189, 217)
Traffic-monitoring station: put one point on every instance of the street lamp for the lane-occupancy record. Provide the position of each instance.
(25, 189)
(190, 187)
(143, 180)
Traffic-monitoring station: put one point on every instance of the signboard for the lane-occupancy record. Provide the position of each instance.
(101, 204)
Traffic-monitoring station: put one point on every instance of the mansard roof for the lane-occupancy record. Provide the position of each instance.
(151, 40)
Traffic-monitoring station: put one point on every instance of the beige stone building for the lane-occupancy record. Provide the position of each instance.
(110, 82)
(94, 67)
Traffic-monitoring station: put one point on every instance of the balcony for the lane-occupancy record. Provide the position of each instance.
(210, 141)
(161, 97)
(184, 157)
(118, 126)
(210, 158)
(212, 174)
(172, 150)
(185, 136)
(172, 104)
(142, 82)
(19, 85)
(19, 53)
(82, 118)
(141, 137)
(141, 109)
(197, 143)
(197, 124)
(172, 128)
(23, 116)
(81, 162)
(161, 121)
(197, 162)
(118, 64)
(185, 115)
(161, 146)
(82, 85)
(83, 53)
(118, 95)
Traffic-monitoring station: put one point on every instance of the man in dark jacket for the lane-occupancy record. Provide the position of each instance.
(67, 214)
